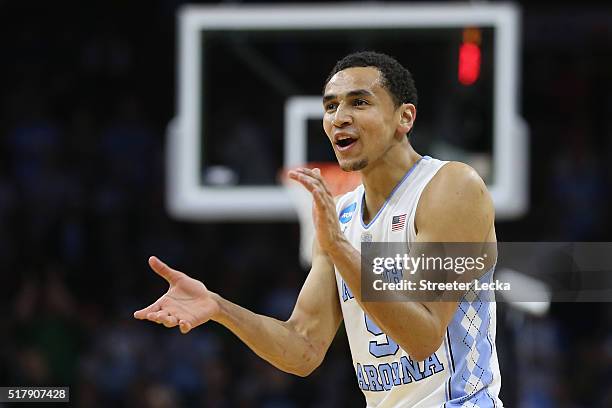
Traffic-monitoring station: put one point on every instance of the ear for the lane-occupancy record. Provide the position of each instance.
(407, 112)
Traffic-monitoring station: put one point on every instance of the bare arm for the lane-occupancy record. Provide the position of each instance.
(455, 207)
(296, 346)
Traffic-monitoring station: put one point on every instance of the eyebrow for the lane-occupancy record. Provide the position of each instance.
(356, 92)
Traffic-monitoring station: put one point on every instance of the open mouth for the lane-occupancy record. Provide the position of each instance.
(344, 143)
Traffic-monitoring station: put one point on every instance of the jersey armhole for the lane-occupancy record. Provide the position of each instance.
(412, 219)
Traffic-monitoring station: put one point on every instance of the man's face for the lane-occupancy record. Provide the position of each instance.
(361, 120)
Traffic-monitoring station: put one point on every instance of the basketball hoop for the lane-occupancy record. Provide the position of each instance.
(338, 182)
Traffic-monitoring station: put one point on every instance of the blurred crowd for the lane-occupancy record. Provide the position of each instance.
(86, 96)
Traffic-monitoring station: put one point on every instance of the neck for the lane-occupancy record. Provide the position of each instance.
(381, 177)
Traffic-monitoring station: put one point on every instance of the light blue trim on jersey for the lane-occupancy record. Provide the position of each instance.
(451, 365)
(388, 198)
(461, 345)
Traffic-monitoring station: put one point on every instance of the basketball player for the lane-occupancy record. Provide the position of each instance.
(405, 354)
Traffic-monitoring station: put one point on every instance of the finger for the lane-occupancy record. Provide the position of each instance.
(302, 179)
(163, 270)
(142, 313)
(169, 320)
(306, 179)
(157, 317)
(184, 326)
(315, 173)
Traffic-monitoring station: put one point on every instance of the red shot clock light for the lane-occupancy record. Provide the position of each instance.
(469, 56)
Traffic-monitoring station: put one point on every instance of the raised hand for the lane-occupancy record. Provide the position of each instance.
(324, 214)
(186, 304)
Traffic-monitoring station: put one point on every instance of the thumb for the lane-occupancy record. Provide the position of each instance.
(163, 270)
(184, 326)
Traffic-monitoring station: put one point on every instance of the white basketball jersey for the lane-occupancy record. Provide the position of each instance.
(464, 371)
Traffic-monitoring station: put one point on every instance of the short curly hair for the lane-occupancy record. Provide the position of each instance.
(395, 78)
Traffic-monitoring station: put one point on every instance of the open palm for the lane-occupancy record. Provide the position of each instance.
(186, 304)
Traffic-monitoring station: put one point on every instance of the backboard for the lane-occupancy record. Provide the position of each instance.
(249, 98)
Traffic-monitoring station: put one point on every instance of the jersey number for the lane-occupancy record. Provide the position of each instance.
(385, 348)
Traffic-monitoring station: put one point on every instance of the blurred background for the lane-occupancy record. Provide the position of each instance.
(87, 90)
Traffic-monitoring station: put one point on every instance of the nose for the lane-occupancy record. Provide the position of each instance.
(342, 118)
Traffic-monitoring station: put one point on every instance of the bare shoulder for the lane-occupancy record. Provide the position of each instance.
(456, 180)
(456, 204)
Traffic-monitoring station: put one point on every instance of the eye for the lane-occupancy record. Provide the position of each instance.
(360, 102)
(330, 106)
